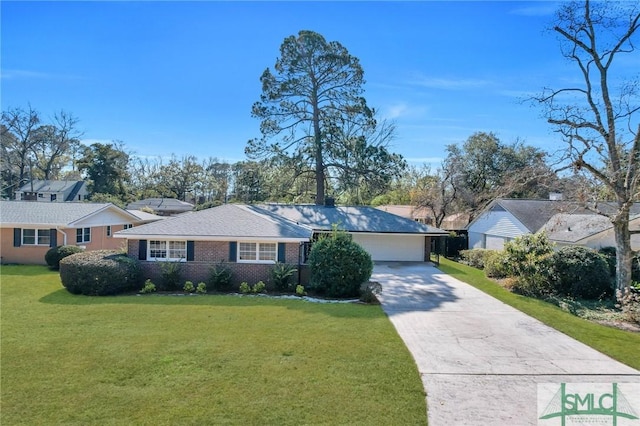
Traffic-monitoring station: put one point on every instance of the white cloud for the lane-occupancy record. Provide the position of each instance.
(541, 9)
(451, 83)
(11, 74)
(403, 110)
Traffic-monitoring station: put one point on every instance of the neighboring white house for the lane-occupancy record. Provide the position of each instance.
(588, 230)
(566, 223)
(53, 191)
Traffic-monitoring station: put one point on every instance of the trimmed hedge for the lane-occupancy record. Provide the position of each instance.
(54, 255)
(100, 273)
(339, 266)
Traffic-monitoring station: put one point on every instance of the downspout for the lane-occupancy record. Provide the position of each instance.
(64, 239)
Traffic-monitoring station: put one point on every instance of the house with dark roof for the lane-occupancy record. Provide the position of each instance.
(565, 222)
(161, 206)
(28, 229)
(386, 236)
(53, 191)
(249, 239)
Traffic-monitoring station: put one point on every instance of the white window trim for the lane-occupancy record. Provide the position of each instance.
(83, 241)
(36, 237)
(167, 259)
(257, 260)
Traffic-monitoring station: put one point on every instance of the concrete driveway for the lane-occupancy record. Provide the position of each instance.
(481, 360)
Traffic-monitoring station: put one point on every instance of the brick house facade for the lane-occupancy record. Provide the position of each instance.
(207, 254)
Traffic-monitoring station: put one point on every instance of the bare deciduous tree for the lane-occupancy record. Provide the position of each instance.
(598, 119)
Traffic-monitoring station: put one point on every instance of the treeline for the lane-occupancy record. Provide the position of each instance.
(475, 172)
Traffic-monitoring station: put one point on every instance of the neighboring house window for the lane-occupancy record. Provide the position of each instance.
(167, 250)
(40, 195)
(54, 197)
(257, 252)
(36, 237)
(83, 235)
(108, 230)
(128, 225)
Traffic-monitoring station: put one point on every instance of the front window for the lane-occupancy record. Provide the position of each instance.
(257, 252)
(167, 250)
(83, 235)
(36, 237)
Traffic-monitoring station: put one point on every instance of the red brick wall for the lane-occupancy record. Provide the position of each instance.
(210, 253)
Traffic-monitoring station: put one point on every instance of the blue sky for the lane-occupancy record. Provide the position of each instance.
(180, 77)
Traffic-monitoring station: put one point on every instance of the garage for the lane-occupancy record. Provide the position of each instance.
(392, 247)
(386, 236)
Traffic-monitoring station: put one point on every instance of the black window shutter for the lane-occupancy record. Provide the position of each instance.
(142, 250)
(17, 237)
(190, 251)
(233, 251)
(53, 238)
(282, 252)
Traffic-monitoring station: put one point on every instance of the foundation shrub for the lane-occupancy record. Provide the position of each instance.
(55, 254)
(220, 277)
(100, 273)
(339, 266)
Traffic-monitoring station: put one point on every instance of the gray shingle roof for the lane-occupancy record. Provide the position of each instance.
(571, 228)
(161, 204)
(535, 213)
(351, 219)
(228, 220)
(50, 185)
(17, 213)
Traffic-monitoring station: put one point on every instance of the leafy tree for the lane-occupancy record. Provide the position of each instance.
(248, 182)
(180, 177)
(106, 165)
(484, 169)
(598, 117)
(313, 102)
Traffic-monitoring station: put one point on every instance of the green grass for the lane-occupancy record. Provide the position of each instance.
(181, 360)
(618, 344)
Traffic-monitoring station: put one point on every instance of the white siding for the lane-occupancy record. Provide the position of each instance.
(392, 247)
(492, 229)
(105, 217)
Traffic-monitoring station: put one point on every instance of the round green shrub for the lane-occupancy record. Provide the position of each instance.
(100, 273)
(528, 259)
(339, 266)
(55, 254)
(495, 264)
(581, 272)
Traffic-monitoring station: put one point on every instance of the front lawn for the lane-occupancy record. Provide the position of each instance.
(618, 344)
(197, 359)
